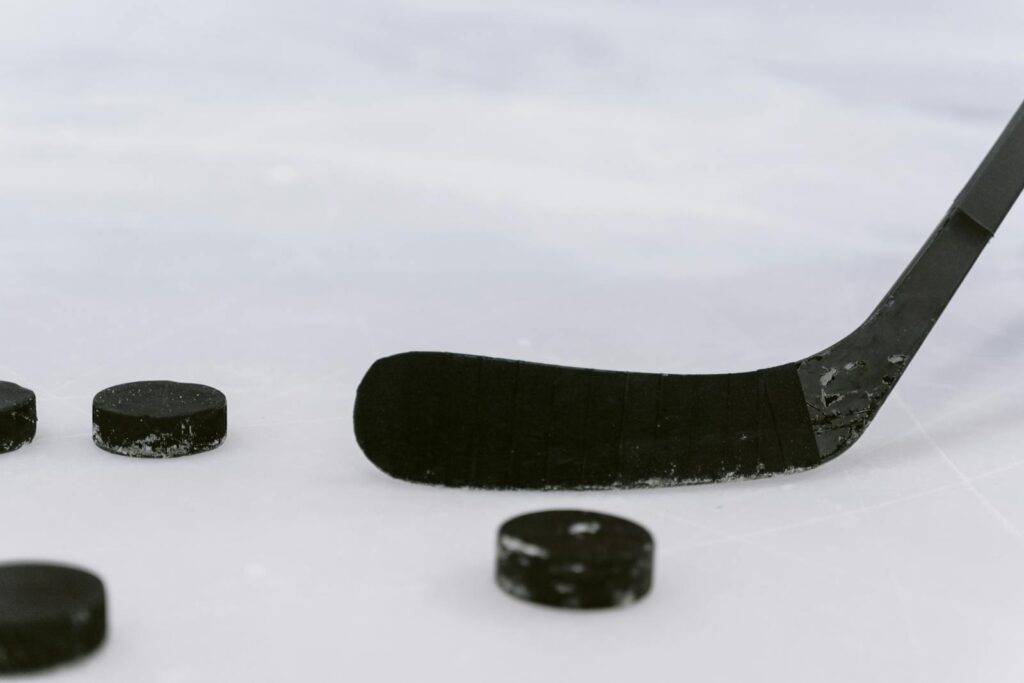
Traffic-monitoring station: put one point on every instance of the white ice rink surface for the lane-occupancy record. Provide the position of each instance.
(267, 196)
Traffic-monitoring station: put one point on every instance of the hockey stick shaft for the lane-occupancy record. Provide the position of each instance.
(847, 384)
(990, 193)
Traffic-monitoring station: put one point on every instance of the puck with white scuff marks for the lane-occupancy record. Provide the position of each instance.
(573, 558)
(49, 614)
(159, 419)
(17, 416)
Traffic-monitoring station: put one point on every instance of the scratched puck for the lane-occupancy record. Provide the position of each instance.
(49, 614)
(17, 416)
(159, 419)
(572, 558)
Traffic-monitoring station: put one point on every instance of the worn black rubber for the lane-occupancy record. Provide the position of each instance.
(159, 419)
(573, 558)
(49, 614)
(17, 416)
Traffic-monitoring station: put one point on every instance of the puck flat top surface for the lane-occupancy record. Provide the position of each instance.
(13, 397)
(574, 558)
(159, 399)
(159, 419)
(49, 614)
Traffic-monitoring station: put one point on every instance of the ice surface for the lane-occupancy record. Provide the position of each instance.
(266, 197)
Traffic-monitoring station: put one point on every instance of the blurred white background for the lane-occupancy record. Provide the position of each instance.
(266, 196)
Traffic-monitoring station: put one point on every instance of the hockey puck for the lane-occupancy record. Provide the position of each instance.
(571, 558)
(17, 416)
(49, 615)
(159, 419)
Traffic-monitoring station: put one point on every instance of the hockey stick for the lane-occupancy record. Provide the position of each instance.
(457, 420)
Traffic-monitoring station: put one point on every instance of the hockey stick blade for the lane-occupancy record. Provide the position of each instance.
(458, 420)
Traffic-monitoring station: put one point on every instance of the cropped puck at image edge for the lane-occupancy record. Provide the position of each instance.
(574, 558)
(17, 416)
(49, 614)
(159, 419)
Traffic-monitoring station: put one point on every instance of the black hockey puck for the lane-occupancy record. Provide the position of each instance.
(17, 416)
(159, 419)
(571, 558)
(49, 614)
